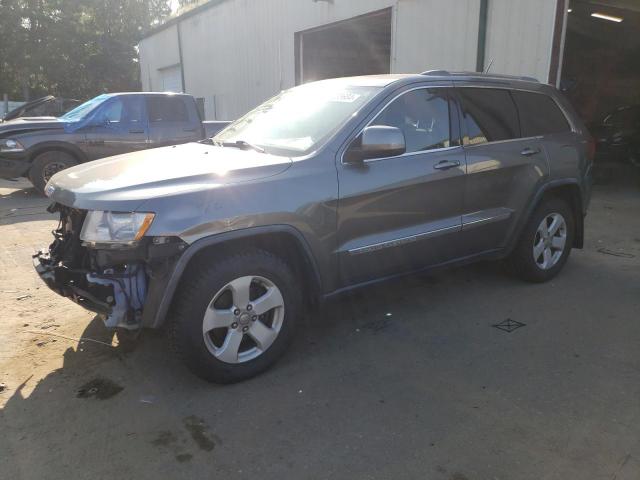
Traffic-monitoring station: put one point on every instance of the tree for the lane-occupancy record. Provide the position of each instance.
(73, 48)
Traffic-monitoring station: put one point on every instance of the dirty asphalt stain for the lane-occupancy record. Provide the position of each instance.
(184, 457)
(164, 438)
(458, 476)
(100, 388)
(377, 325)
(199, 432)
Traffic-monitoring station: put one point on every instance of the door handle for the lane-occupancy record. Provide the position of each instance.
(446, 164)
(527, 152)
(136, 131)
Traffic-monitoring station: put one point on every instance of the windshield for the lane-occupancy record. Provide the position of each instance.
(299, 120)
(81, 111)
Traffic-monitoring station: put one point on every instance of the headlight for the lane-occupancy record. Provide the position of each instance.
(10, 145)
(115, 227)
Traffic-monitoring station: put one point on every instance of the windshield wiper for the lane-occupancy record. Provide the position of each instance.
(241, 144)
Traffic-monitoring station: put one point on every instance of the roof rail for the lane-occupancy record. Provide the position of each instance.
(445, 73)
(438, 73)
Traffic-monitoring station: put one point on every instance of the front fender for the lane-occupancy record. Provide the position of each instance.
(162, 290)
(41, 147)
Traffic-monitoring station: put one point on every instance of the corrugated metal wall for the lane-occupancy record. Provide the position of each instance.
(520, 36)
(240, 52)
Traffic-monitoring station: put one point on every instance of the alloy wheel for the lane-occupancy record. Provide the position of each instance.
(550, 241)
(51, 168)
(243, 319)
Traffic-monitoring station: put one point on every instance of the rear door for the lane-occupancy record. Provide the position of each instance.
(118, 127)
(173, 120)
(503, 167)
(402, 213)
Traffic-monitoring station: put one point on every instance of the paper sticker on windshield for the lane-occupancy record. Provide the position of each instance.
(344, 97)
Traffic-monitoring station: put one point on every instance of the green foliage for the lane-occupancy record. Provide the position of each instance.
(73, 48)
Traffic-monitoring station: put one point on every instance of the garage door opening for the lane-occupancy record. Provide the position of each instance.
(358, 46)
(171, 78)
(601, 71)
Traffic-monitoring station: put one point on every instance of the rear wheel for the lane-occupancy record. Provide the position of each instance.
(234, 318)
(46, 165)
(545, 243)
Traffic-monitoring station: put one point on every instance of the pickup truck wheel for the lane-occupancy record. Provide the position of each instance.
(48, 164)
(234, 318)
(545, 243)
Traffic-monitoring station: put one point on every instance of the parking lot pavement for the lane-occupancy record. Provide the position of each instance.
(404, 380)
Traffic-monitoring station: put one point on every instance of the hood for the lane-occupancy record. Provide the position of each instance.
(25, 107)
(124, 182)
(28, 124)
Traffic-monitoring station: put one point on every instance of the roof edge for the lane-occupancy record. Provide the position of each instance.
(176, 20)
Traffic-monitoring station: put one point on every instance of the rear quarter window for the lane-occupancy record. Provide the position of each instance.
(489, 115)
(539, 114)
(167, 109)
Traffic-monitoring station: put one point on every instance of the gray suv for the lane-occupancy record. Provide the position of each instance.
(324, 188)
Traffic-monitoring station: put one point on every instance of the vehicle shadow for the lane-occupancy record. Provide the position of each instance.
(105, 392)
(92, 389)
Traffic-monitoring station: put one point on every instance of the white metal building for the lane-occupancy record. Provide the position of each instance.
(234, 54)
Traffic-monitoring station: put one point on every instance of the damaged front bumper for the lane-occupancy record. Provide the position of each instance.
(113, 282)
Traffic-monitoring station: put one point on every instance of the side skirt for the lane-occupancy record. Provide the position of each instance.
(495, 254)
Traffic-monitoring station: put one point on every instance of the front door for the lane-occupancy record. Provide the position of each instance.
(119, 127)
(402, 213)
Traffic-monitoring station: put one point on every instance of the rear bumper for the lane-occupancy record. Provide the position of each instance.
(14, 165)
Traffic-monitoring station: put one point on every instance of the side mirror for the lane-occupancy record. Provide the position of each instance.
(378, 141)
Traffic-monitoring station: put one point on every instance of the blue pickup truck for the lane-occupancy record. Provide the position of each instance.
(109, 124)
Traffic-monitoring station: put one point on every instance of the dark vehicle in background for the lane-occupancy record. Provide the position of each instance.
(48, 106)
(327, 187)
(107, 125)
(618, 135)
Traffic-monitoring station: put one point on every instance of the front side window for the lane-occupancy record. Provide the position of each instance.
(423, 117)
(539, 114)
(112, 111)
(299, 120)
(83, 110)
(125, 109)
(489, 115)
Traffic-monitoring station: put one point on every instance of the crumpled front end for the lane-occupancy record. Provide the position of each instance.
(111, 281)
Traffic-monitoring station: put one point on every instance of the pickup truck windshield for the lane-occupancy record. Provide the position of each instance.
(299, 120)
(81, 111)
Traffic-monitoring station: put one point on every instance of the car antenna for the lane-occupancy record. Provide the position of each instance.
(486, 70)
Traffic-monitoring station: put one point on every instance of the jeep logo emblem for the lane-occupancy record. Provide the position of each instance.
(48, 190)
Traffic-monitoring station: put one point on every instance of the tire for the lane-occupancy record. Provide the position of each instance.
(523, 260)
(214, 289)
(46, 164)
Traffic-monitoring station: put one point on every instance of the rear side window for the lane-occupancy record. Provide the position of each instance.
(167, 109)
(489, 115)
(539, 114)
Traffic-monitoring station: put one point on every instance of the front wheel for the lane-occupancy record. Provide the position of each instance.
(46, 165)
(235, 317)
(545, 243)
